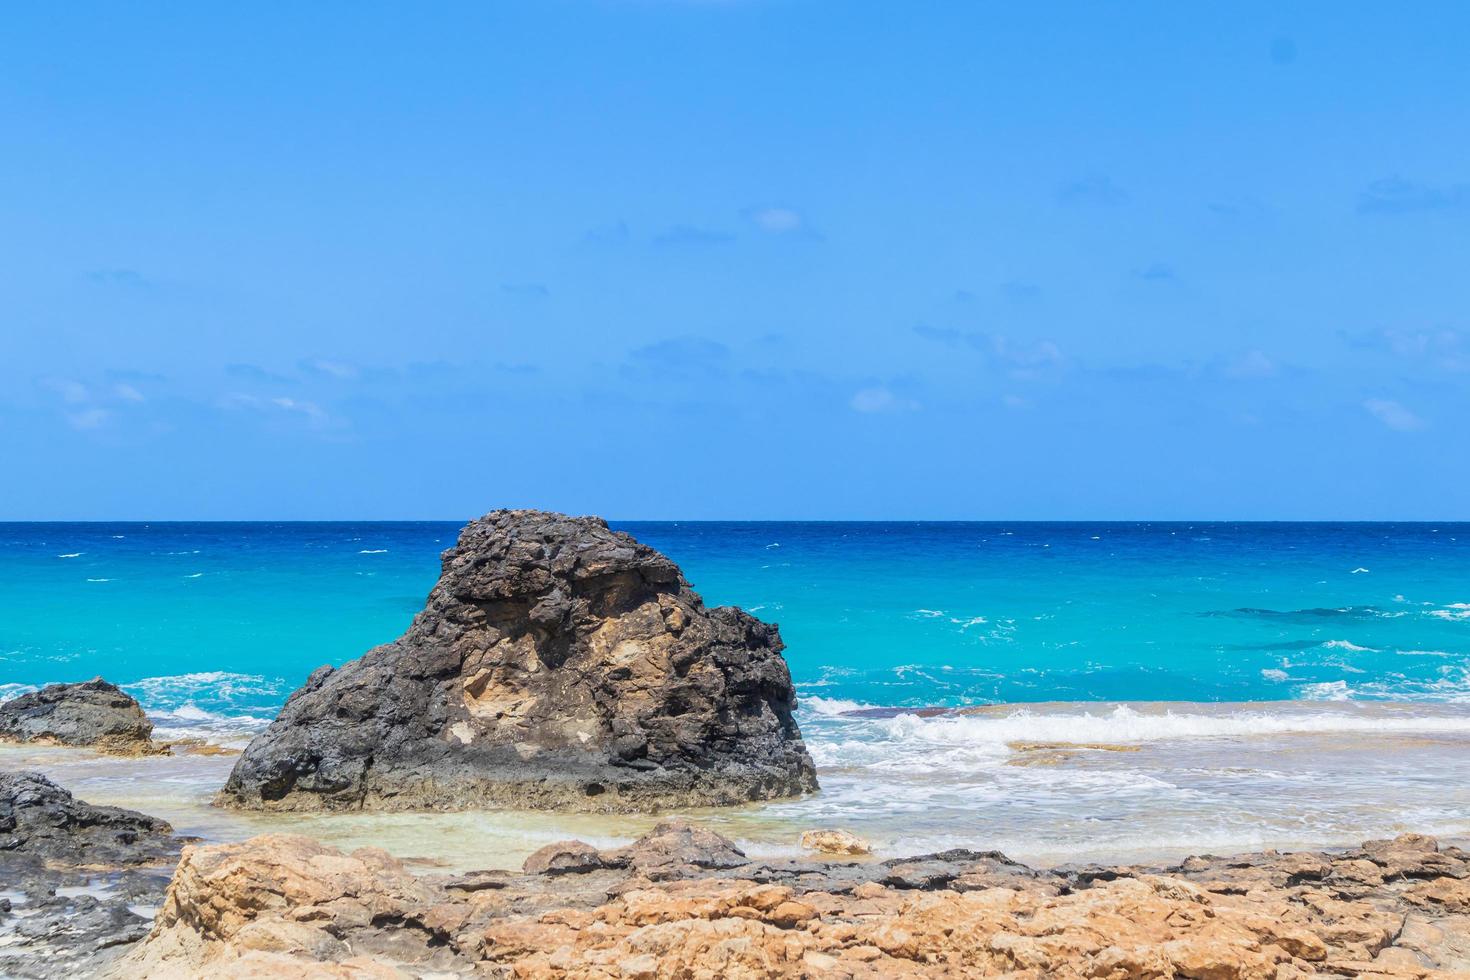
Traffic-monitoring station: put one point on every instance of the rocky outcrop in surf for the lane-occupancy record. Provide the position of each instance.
(556, 663)
(93, 714)
(687, 903)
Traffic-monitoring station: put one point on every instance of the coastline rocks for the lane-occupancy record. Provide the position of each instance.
(835, 842)
(288, 906)
(80, 880)
(40, 819)
(556, 664)
(91, 714)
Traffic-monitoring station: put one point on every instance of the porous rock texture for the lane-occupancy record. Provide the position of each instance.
(290, 907)
(92, 714)
(77, 881)
(556, 664)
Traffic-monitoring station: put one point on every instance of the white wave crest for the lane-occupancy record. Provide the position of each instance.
(373, 551)
(829, 707)
(190, 722)
(215, 687)
(1124, 724)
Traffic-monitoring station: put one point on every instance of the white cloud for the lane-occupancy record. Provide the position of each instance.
(1393, 414)
(1251, 365)
(777, 221)
(880, 399)
(128, 393)
(91, 418)
(336, 369)
(311, 410)
(71, 392)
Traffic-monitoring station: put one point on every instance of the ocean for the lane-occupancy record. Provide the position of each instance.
(1124, 689)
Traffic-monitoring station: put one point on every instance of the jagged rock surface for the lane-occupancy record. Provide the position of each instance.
(92, 714)
(80, 879)
(288, 906)
(555, 664)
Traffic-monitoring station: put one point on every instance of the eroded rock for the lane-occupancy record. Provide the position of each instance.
(91, 714)
(281, 906)
(556, 663)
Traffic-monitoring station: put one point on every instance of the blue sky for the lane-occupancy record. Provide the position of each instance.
(739, 259)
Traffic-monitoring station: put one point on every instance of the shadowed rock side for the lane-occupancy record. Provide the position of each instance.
(77, 882)
(92, 714)
(555, 664)
(684, 902)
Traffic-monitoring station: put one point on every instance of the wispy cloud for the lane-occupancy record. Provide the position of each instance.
(782, 221)
(679, 357)
(1394, 195)
(1022, 360)
(1250, 366)
(321, 367)
(1019, 290)
(880, 398)
(71, 392)
(116, 277)
(615, 233)
(282, 405)
(88, 418)
(254, 372)
(1156, 272)
(1393, 414)
(1093, 189)
(1441, 347)
(525, 290)
(690, 235)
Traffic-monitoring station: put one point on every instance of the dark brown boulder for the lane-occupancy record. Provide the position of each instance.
(556, 664)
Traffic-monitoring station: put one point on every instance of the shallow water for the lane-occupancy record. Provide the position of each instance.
(1047, 784)
(1316, 675)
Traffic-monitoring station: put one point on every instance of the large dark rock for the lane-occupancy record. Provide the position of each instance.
(81, 879)
(556, 664)
(93, 714)
(41, 819)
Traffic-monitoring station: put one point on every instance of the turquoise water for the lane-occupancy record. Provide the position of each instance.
(230, 617)
(1191, 686)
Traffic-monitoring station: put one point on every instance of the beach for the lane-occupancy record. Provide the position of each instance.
(1057, 694)
(1059, 691)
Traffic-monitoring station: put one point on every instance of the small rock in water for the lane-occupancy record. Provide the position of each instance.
(93, 714)
(835, 842)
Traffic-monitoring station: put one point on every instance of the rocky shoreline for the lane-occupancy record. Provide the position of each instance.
(82, 883)
(559, 664)
(78, 883)
(684, 902)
